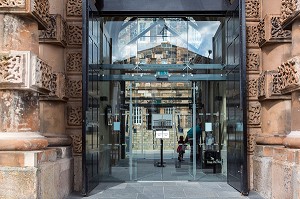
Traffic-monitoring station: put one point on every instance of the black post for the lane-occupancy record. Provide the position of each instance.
(161, 152)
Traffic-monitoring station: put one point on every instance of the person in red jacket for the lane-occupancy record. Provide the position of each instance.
(181, 148)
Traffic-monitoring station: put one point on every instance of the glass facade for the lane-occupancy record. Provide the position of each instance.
(150, 81)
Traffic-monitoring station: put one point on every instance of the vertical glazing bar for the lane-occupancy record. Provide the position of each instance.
(142, 141)
(130, 132)
(85, 18)
(194, 131)
(175, 132)
(243, 94)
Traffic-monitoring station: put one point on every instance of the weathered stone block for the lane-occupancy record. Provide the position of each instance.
(290, 10)
(282, 177)
(289, 75)
(262, 175)
(24, 70)
(269, 86)
(271, 31)
(18, 182)
(253, 10)
(36, 9)
(252, 34)
(77, 173)
(57, 31)
(56, 179)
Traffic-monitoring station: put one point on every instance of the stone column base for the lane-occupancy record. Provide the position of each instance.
(45, 173)
(270, 139)
(292, 140)
(22, 141)
(58, 140)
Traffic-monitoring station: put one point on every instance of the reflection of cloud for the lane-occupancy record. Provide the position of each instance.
(200, 41)
(208, 30)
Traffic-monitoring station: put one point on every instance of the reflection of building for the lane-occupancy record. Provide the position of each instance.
(166, 53)
(160, 98)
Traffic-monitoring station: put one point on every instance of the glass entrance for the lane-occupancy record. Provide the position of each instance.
(159, 118)
(152, 84)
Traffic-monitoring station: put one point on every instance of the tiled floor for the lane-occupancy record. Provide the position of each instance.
(165, 190)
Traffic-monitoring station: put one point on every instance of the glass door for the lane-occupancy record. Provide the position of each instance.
(235, 48)
(159, 118)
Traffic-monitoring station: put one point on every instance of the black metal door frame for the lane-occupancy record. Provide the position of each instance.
(90, 152)
(237, 167)
(98, 8)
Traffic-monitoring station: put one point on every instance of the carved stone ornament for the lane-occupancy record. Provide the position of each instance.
(270, 31)
(74, 62)
(24, 70)
(289, 10)
(77, 143)
(75, 35)
(269, 86)
(252, 35)
(253, 61)
(36, 9)
(254, 113)
(74, 88)
(262, 84)
(74, 8)
(289, 74)
(252, 9)
(57, 31)
(252, 88)
(74, 115)
(251, 141)
(58, 86)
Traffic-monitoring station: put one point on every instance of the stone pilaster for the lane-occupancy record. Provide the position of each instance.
(290, 83)
(253, 66)
(74, 84)
(23, 77)
(53, 41)
(275, 44)
(290, 69)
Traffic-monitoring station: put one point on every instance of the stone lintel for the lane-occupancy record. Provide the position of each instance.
(35, 9)
(270, 31)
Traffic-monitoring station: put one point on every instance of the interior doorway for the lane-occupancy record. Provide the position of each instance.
(147, 80)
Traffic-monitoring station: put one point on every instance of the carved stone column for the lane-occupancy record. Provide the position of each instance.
(290, 69)
(53, 41)
(23, 75)
(290, 74)
(275, 108)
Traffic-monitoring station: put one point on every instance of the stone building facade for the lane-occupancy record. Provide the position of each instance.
(41, 90)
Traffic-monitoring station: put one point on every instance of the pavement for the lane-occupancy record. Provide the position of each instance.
(165, 190)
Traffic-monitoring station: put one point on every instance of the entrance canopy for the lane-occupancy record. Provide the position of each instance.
(158, 7)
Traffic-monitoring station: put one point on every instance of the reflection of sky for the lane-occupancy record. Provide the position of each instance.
(199, 39)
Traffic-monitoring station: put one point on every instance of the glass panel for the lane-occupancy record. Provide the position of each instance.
(151, 99)
(147, 98)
